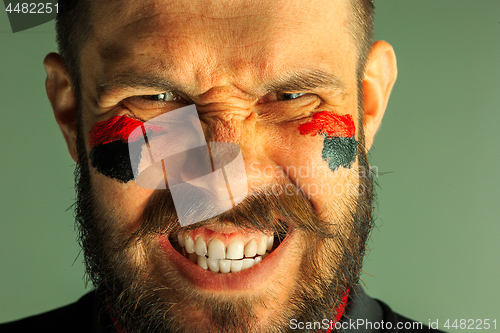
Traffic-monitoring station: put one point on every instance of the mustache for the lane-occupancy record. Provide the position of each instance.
(276, 208)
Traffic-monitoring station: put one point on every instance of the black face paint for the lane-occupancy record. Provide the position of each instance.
(112, 160)
(339, 151)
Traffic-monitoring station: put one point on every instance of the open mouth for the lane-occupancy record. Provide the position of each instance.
(226, 252)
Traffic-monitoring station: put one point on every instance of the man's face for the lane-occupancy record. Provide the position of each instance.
(257, 71)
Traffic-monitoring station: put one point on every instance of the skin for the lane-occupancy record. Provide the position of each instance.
(221, 55)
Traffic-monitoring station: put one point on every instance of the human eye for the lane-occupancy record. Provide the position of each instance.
(162, 97)
(285, 96)
(161, 100)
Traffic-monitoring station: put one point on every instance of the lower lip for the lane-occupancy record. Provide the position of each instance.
(248, 279)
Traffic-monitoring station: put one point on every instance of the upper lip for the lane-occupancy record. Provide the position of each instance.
(224, 229)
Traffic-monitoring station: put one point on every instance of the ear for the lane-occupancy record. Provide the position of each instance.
(62, 99)
(380, 75)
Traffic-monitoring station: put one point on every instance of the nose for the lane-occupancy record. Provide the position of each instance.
(211, 158)
(219, 169)
(246, 163)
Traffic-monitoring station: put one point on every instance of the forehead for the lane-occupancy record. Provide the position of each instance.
(207, 39)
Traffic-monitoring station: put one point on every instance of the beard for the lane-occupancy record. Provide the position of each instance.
(125, 268)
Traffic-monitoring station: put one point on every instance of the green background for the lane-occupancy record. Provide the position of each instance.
(435, 252)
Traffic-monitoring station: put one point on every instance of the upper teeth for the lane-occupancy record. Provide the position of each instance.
(234, 250)
(218, 258)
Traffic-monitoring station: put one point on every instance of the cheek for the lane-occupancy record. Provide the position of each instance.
(122, 204)
(326, 141)
(322, 167)
(300, 157)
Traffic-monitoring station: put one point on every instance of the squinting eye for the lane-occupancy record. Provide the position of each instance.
(163, 97)
(159, 101)
(288, 96)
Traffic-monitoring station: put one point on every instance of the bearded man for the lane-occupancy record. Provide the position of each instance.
(266, 233)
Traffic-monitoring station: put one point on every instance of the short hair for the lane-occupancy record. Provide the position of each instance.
(73, 31)
(360, 26)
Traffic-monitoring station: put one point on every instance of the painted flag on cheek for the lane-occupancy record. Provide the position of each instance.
(170, 151)
(109, 152)
(339, 143)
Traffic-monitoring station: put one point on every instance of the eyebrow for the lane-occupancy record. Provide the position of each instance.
(306, 80)
(135, 80)
(302, 80)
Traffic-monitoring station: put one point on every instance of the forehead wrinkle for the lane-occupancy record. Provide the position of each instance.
(114, 44)
(179, 52)
(219, 31)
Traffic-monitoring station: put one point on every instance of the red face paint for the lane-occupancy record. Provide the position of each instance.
(114, 129)
(329, 123)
